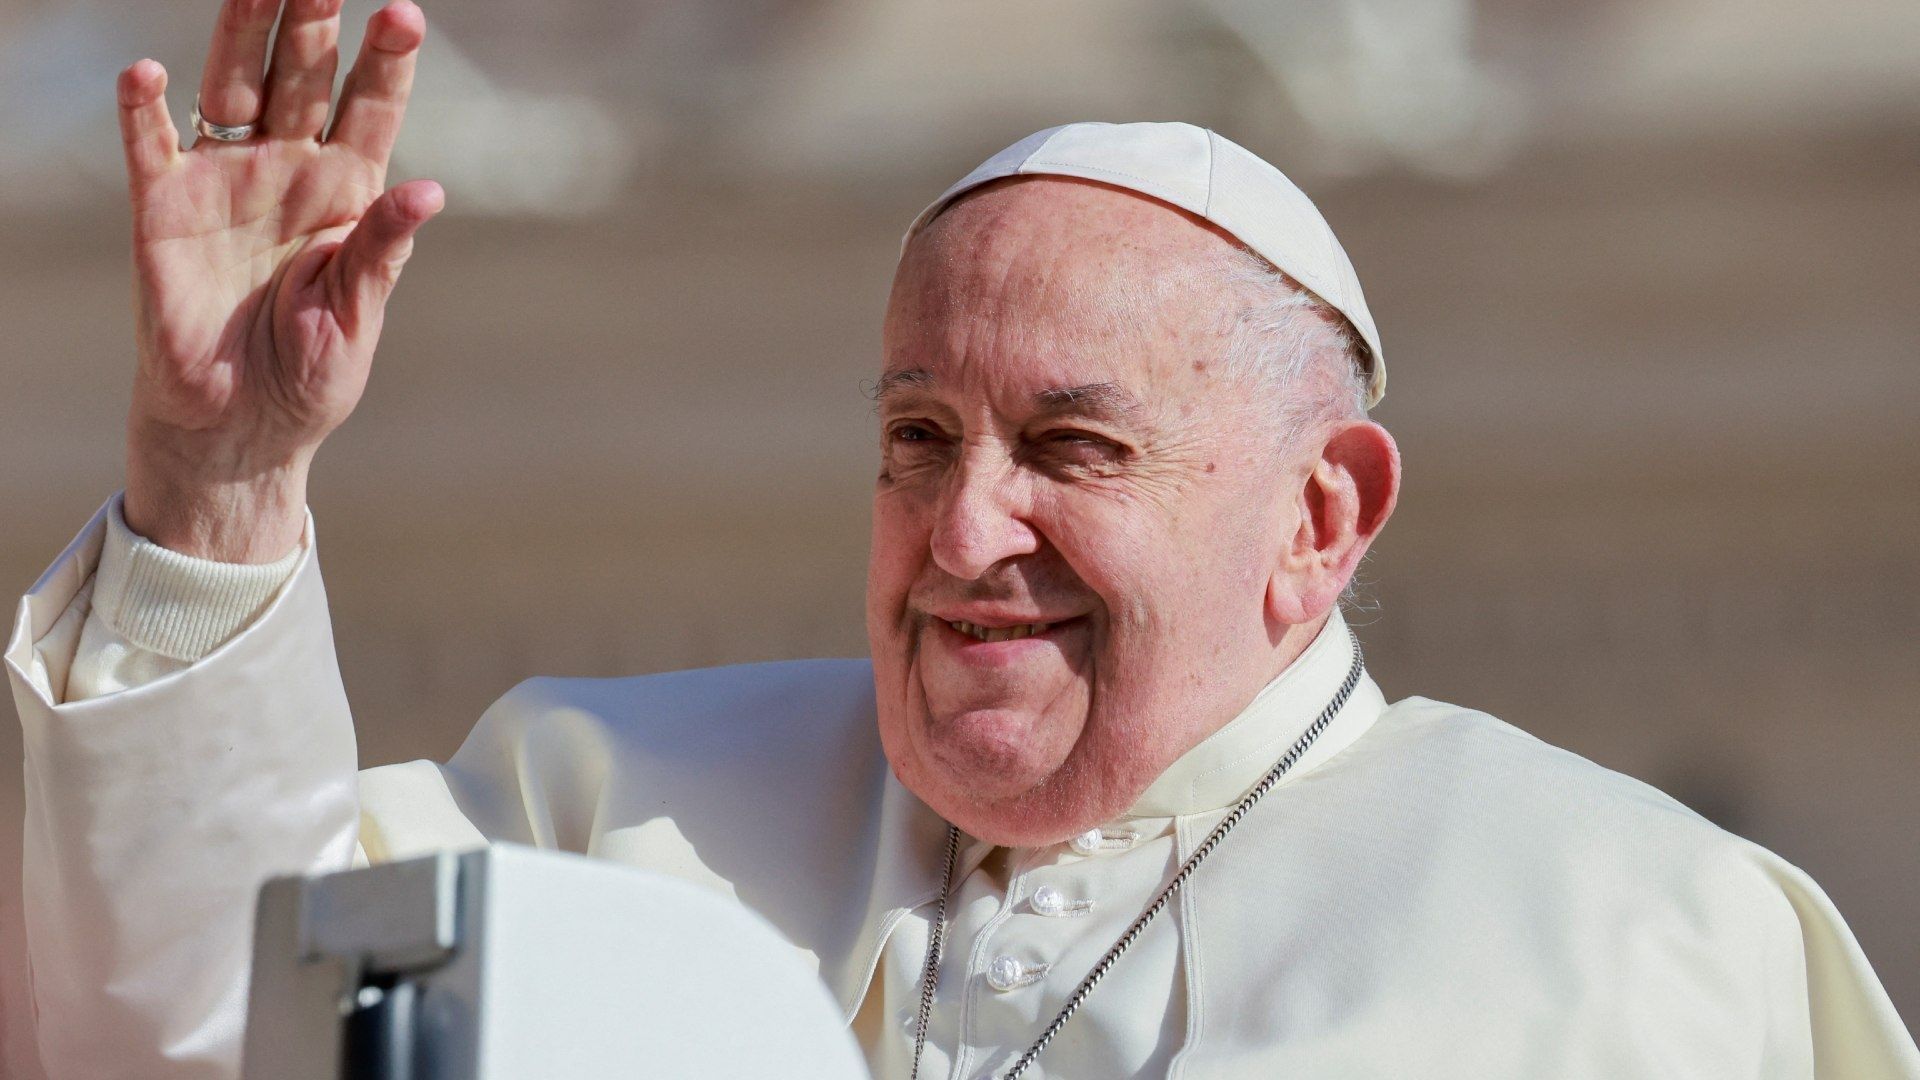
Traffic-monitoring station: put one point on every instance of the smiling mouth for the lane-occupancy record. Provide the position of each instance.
(998, 633)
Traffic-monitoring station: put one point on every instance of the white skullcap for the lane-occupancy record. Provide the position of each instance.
(1204, 174)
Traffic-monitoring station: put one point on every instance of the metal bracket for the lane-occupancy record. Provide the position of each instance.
(335, 959)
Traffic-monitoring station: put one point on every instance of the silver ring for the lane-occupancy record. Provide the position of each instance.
(219, 132)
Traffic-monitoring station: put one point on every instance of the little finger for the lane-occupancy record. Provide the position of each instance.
(147, 133)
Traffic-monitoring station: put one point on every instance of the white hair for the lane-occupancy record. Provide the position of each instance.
(1293, 346)
(1299, 354)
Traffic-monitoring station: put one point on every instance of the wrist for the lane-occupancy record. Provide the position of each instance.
(211, 504)
(175, 605)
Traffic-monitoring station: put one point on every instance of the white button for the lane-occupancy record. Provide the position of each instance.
(1004, 973)
(1053, 903)
(1007, 973)
(1087, 842)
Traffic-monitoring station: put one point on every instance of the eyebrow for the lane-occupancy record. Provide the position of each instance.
(894, 383)
(1104, 399)
(1100, 399)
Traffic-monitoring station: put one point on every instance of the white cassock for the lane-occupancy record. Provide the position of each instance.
(1429, 893)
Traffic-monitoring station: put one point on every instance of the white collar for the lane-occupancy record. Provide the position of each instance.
(1217, 772)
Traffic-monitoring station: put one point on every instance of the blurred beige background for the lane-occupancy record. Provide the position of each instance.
(1645, 270)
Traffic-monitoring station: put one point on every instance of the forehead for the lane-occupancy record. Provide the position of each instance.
(1059, 279)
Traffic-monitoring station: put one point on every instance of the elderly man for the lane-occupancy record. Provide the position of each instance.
(1114, 796)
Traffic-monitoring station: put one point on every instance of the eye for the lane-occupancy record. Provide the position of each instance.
(913, 443)
(1079, 448)
(911, 432)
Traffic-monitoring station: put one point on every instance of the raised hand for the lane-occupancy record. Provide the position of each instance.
(262, 268)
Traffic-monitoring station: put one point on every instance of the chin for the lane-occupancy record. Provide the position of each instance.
(991, 755)
(1042, 817)
(1006, 801)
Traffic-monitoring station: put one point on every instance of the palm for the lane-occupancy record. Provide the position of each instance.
(230, 252)
(263, 266)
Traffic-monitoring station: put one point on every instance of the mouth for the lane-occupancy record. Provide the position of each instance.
(999, 633)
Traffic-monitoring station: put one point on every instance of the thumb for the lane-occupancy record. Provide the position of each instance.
(368, 262)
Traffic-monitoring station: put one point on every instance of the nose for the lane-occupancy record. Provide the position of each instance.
(980, 521)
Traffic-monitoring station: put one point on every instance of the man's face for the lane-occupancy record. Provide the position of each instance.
(1078, 512)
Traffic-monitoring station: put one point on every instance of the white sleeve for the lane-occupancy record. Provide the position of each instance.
(159, 794)
(151, 612)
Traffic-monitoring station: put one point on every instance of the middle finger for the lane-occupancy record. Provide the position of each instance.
(300, 82)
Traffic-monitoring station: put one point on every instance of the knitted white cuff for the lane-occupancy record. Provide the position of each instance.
(178, 605)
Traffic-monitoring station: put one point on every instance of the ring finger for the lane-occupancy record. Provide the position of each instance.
(230, 87)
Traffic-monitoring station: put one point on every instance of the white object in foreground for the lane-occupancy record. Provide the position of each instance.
(509, 963)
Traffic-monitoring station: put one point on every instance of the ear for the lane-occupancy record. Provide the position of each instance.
(1348, 495)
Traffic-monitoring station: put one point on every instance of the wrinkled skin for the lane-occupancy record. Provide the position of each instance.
(262, 268)
(1060, 446)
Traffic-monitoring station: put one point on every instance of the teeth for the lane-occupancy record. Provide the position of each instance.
(998, 633)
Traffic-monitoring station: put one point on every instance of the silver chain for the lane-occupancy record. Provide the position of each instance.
(931, 970)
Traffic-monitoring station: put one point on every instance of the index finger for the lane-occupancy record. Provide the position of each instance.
(374, 100)
(230, 85)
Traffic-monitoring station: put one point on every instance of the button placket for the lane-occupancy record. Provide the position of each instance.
(981, 961)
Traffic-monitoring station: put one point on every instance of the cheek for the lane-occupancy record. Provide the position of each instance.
(891, 568)
(1166, 575)
(897, 548)
(1108, 547)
